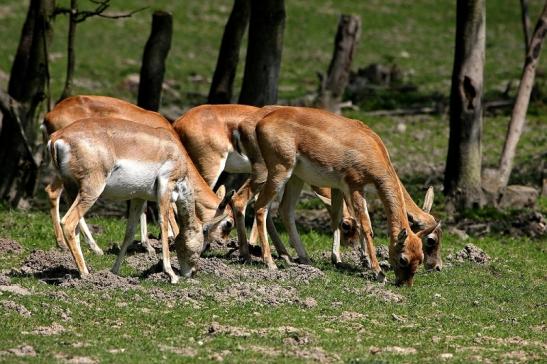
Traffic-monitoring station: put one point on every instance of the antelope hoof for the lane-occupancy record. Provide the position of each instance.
(62, 245)
(287, 259)
(335, 259)
(98, 251)
(174, 278)
(271, 265)
(304, 260)
(381, 277)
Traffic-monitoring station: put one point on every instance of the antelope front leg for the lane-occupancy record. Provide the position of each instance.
(89, 238)
(239, 204)
(288, 204)
(365, 231)
(335, 212)
(136, 208)
(164, 205)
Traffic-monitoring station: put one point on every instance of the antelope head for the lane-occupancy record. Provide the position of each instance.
(218, 229)
(432, 241)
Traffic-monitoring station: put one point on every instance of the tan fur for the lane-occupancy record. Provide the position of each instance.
(87, 154)
(207, 131)
(353, 156)
(80, 107)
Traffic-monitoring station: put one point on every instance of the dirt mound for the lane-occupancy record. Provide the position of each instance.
(21, 351)
(297, 273)
(141, 262)
(100, 280)
(270, 295)
(8, 246)
(48, 265)
(13, 306)
(471, 253)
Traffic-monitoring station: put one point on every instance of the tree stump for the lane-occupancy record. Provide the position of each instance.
(331, 88)
(153, 61)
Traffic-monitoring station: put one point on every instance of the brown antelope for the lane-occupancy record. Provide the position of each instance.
(216, 138)
(80, 107)
(123, 160)
(308, 145)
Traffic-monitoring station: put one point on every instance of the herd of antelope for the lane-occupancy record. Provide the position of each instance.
(105, 147)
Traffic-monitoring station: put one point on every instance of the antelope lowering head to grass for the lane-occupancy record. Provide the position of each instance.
(217, 138)
(80, 107)
(323, 149)
(122, 160)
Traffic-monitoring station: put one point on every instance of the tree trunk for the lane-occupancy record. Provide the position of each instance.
(228, 57)
(525, 24)
(518, 117)
(71, 56)
(462, 181)
(263, 59)
(153, 61)
(332, 88)
(20, 131)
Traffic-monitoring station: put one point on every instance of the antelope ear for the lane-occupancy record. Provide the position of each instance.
(324, 199)
(221, 191)
(428, 200)
(402, 236)
(428, 230)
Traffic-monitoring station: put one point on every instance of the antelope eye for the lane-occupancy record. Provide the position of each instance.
(403, 262)
(228, 224)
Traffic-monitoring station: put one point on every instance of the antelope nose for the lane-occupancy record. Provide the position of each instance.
(437, 267)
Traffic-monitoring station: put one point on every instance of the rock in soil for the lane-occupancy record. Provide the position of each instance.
(4, 280)
(100, 280)
(517, 196)
(8, 246)
(51, 264)
(470, 253)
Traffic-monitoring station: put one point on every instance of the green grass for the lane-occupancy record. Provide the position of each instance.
(473, 312)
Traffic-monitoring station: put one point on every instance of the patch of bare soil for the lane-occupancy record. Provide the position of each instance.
(393, 349)
(183, 351)
(100, 280)
(262, 294)
(15, 289)
(70, 359)
(8, 246)
(471, 253)
(53, 329)
(13, 306)
(21, 351)
(48, 265)
(315, 354)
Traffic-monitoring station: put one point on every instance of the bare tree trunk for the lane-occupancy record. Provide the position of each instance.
(228, 57)
(71, 56)
(263, 59)
(332, 88)
(153, 61)
(518, 117)
(19, 134)
(462, 181)
(525, 24)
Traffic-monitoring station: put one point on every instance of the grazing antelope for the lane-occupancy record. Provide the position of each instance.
(216, 138)
(80, 107)
(122, 160)
(315, 146)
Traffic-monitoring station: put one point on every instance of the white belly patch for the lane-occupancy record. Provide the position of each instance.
(134, 179)
(317, 175)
